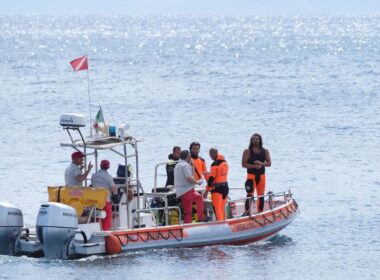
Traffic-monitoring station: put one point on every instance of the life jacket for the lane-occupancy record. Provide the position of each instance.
(218, 173)
(199, 167)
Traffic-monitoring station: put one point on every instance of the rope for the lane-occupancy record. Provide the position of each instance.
(254, 218)
(121, 242)
(178, 238)
(59, 194)
(165, 237)
(289, 211)
(146, 236)
(266, 218)
(283, 214)
(295, 204)
(273, 216)
(131, 239)
(154, 235)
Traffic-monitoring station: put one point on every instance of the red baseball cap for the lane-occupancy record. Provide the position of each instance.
(105, 164)
(76, 155)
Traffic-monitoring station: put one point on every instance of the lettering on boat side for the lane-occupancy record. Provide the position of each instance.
(14, 213)
(42, 212)
(69, 214)
(76, 192)
(242, 226)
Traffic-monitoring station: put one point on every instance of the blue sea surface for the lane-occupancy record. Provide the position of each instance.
(309, 85)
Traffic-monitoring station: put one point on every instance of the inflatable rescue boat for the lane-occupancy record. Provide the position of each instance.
(68, 225)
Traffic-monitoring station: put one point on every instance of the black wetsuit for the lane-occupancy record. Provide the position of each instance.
(249, 184)
(170, 171)
(252, 158)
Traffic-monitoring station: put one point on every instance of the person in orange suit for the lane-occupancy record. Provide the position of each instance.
(217, 183)
(199, 164)
(255, 159)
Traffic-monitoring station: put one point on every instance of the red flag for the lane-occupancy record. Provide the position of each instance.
(80, 63)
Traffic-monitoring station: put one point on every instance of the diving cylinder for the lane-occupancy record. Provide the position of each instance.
(11, 224)
(56, 226)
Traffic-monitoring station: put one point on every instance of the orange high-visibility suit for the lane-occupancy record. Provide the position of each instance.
(218, 185)
(199, 168)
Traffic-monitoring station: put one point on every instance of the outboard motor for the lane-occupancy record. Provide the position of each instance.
(11, 224)
(56, 227)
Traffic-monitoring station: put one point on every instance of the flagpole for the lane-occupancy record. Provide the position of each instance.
(89, 95)
(82, 64)
(111, 115)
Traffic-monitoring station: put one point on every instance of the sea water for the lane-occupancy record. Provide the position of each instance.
(308, 85)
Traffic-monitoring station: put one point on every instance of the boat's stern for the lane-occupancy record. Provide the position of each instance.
(56, 227)
(11, 224)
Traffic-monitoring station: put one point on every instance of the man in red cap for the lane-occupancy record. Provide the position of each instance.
(73, 173)
(101, 179)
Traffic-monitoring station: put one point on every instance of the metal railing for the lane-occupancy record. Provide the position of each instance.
(286, 195)
(156, 174)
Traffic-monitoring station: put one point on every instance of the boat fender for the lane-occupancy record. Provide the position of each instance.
(113, 245)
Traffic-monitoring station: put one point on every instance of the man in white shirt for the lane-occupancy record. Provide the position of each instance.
(184, 183)
(101, 179)
(73, 173)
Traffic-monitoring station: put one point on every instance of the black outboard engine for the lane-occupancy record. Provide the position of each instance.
(11, 224)
(56, 227)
